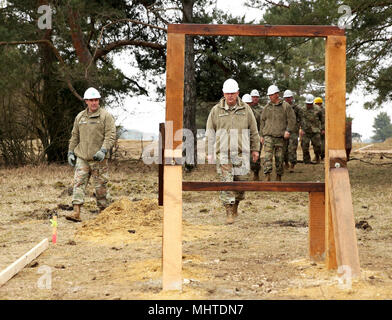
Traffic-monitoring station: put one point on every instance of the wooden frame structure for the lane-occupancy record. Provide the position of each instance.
(332, 234)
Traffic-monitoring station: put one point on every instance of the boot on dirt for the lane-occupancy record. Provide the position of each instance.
(278, 177)
(286, 165)
(317, 159)
(229, 213)
(256, 176)
(75, 216)
(292, 167)
(267, 177)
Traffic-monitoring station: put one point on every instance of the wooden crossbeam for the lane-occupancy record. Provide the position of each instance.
(253, 186)
(19, 264)
(255, 30)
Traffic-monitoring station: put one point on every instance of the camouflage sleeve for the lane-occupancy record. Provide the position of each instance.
(210, 128)
(254, 134)
(110, 132)
(291, 119)
(75, 138)
(322, 119)
(301, 119)
(262, 122)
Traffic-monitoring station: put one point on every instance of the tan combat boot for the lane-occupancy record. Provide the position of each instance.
(278, 177)
(268, 177)
(229, 213)
(255, 176)
(75, 216)
(292, 167)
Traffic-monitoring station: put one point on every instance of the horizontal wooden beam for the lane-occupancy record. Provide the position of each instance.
(253, 186)
(19, 264)
(255, 30)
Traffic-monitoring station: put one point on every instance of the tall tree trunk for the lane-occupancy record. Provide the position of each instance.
(189, 80)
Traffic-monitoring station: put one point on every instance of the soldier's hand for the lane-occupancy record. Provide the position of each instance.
(286, 135)
(100, 155)
(301, 132)
(71, 158)
(255, 156)
(261, 140)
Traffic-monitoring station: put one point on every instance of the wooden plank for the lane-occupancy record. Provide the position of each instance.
(174, 88)
(335, 119)
(255, 30)
(172, 229)
(253, 186)
(19, 264)
(343, 221)
(317, 226)
(160, 165)
(172, 175)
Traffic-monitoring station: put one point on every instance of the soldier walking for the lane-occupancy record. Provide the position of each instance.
(257, 109)
(319, 102)
(312, 124)
(93, 134)
(291, 145)
(276, 124)
(225, 125)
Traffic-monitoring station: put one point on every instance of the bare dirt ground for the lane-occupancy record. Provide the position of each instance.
(117, 254)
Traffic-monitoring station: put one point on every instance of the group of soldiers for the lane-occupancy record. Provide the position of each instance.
(278, 127)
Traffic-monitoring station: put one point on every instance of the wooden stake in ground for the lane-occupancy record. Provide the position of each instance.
(19, 264)
(54, 232)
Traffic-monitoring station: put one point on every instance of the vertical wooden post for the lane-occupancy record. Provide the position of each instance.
(317, 226)
(341, 242)
(161, 148)
(172, 194)
(335, 118)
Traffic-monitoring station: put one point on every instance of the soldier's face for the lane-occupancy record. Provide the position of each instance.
(92, 104)
(309, 105)
(231, 98)
(320, 105)
(255, 100)
(274, 97)
(289, 99)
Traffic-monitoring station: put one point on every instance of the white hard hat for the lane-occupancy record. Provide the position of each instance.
(254, 93)
(287, 94)
(309, 99)
(272, 89)
(230, 86)
(91, 93)
(246, 98)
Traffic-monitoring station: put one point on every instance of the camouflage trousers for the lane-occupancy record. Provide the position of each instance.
(229, 171)
(315, 138)
(322, 154)
(99, 172)
(273, 147)
(290, 149)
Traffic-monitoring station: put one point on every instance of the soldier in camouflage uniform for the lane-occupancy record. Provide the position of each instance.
(93, 134)
(276, 124)
(312, 124)
(291, 145)
(319, 102)
(257, 109)
(229, 117)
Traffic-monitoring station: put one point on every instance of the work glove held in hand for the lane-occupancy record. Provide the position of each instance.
(100, 155)
(71, 158)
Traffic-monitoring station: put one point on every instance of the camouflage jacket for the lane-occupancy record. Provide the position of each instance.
(91, 132)
(312, 120)
(297, 110)
(276, 119)
(257, 111)
(222, 119)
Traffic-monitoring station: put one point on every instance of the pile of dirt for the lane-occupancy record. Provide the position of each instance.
(124, 221)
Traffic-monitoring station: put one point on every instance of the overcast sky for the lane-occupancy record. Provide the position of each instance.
(144, 114)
